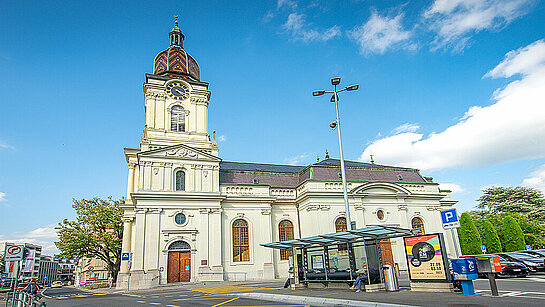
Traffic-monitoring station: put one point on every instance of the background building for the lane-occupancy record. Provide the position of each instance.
(49, 270)
(91, 270)
(67, 269)
(189, 216)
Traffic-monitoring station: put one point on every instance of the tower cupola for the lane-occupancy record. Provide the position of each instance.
(175, 62)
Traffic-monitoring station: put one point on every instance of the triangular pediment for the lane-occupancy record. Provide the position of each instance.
(180, 151)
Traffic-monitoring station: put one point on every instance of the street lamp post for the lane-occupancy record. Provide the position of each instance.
(337, 124)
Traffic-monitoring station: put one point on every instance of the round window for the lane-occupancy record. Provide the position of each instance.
(180, 219)
(380, 215)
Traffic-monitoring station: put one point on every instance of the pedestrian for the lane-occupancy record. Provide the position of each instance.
(362, 276)
(110, 281)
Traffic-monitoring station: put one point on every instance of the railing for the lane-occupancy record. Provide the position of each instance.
(22, 299)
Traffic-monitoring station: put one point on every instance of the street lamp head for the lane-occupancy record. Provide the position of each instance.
(318, 93)
(352, 87)
(335, 81)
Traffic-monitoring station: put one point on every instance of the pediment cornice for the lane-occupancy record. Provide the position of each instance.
(179, 151)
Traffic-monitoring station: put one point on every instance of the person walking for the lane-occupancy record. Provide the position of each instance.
(362, 277)
(110, 281)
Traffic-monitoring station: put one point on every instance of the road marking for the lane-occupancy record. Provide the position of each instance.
(155, 303)
(236, 298)
(81, 295)
(61, 297)
(100, 294)
(200, 298)
(142, 302)
(226, 289)
(173, 306)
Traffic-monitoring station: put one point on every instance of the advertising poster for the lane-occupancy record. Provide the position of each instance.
(317, 262)
(29, 261)
(425, 257)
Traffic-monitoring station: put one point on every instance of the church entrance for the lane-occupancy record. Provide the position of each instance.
(179, 262)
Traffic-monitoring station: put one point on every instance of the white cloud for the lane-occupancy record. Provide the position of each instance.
(525, 61)
(536, 179)
(222, 138)
(406, 128)
(300, 30)
(381, 33)
(455, 188)
(455, 21)
(43, 236)
(296, 160)
(513, 128)
(3, 200)
(286, 3)
(6, 146)
(268, 17)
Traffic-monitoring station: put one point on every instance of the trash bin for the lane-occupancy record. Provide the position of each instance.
(390, 278)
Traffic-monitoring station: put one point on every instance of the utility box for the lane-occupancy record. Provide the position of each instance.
(464, 269)
(488, 264)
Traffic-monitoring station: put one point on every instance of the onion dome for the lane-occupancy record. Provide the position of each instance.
(174, 61)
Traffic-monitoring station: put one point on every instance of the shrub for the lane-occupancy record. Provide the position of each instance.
(493, 244)
(513, 238)
(470, 240)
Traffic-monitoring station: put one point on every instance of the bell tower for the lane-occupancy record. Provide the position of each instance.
(176, 100)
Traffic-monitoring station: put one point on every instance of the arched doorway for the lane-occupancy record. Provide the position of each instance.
(179, 262)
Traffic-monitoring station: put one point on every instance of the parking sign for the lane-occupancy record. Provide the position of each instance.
(450, 219)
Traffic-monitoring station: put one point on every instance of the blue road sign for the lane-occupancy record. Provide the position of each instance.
(45, 277)
(125, 256)
(528, 247)
(4, 276)
(450, 219)
(483, 248)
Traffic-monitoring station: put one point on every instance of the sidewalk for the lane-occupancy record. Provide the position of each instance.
(317, 297)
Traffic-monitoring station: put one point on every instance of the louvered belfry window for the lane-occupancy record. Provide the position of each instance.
(241, 245)
(180, 181)
(177, 119)
(417, 223)
(285, 233)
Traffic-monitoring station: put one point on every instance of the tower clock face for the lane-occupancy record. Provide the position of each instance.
(177, 91)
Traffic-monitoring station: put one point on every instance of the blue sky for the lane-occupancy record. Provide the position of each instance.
(454, 88)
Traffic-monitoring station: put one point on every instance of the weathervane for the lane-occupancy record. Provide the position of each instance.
(176, 22)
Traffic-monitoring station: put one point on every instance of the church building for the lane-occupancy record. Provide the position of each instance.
(191, 216)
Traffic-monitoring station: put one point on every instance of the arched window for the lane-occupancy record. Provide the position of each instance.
(179, 245)
(180, 181)
(340, 225)
(417, 223)
(177, 119)
(285, 233)
(241, 242)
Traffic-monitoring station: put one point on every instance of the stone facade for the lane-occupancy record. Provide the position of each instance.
(181, 193)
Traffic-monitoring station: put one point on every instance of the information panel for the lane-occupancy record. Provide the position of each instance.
(426, 257)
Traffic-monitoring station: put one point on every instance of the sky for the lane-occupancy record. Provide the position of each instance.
(453, 88)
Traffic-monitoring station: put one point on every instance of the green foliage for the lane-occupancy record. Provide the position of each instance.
(470, 240)
(513, 238)
(96, 233)
(528, 202)
(492, 241)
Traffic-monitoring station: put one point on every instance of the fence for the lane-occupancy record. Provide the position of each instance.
(22, 299)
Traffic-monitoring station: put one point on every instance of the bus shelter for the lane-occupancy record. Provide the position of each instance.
(336, 257)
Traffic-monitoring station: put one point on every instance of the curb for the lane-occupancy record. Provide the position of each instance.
(317, 301)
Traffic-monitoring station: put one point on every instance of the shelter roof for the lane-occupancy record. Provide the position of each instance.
(349, 236)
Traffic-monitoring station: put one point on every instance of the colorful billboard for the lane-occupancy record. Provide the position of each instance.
(426, 257)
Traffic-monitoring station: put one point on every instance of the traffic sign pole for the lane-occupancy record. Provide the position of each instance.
(457, 252)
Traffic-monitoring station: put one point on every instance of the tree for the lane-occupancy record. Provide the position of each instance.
(493, 244)
(96, 233)
(513, 238)
(469, 237)
(526, 201)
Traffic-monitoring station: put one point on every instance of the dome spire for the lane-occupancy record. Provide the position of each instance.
(176, 36)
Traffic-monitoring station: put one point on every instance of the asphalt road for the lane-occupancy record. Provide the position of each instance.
(528, 291)
(74, 297)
